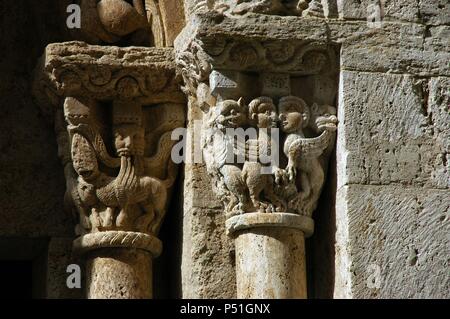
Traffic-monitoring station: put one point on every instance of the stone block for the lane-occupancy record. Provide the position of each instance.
(392, 242)
(393, 129)
(404, 10)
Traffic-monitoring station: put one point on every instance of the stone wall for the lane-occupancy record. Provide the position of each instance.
(382, 222)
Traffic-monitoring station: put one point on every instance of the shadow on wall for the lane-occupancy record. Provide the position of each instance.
(167, 267)
(320, 249)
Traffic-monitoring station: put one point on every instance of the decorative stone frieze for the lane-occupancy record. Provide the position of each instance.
(114, 111)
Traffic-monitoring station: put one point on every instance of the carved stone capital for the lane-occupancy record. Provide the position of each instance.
(114, 110)
(253, 74)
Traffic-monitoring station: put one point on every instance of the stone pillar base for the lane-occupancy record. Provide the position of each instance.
(270, 254)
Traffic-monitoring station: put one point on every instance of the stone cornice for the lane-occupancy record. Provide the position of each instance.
(106, 73)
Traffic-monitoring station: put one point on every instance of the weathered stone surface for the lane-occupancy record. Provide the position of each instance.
(119, 274)
(207, 248)
(394, 48)
(402, 233)
(393, 129)
(270, 263)
(205, 245)
(59, 257)
(436, 12)
(173, 17)
(105, 73)
(403, 10)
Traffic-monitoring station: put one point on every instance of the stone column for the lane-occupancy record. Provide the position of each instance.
(114, 111)
(276, 82)
(270, 254)
(118, 264)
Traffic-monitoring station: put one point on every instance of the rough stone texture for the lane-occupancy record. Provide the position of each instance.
(119, 274)
(392, 213)
(60, 256)
(31, 179)
(427, 12)
(394, 48)
(173, 17)
(205, 242)
(104, 73)
(398, 48)
(403, 231)
(270, 260)
(403, 10)
(394, 129)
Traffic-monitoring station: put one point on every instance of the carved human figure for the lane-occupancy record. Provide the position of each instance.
(305, 167)
(262, 113)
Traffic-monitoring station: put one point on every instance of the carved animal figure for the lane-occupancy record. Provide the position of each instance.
(230, 114)
(132, 200)
(262, 113)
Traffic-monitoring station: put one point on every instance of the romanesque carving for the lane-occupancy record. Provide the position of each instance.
(133, 22)
(246, 84)
(120, 191)
(272, 7)
(113, 21)
(106, 73)
(114, 111)
(307, 134)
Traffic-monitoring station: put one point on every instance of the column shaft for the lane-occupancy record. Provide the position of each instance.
(119, 273)
(270, 263)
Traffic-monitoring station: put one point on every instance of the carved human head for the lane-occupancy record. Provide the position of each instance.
(231, 113)
(294, 114)
(129, 135)
(262, 112)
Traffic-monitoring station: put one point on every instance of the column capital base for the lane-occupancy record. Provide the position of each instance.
(253, 220)
(117, 239)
